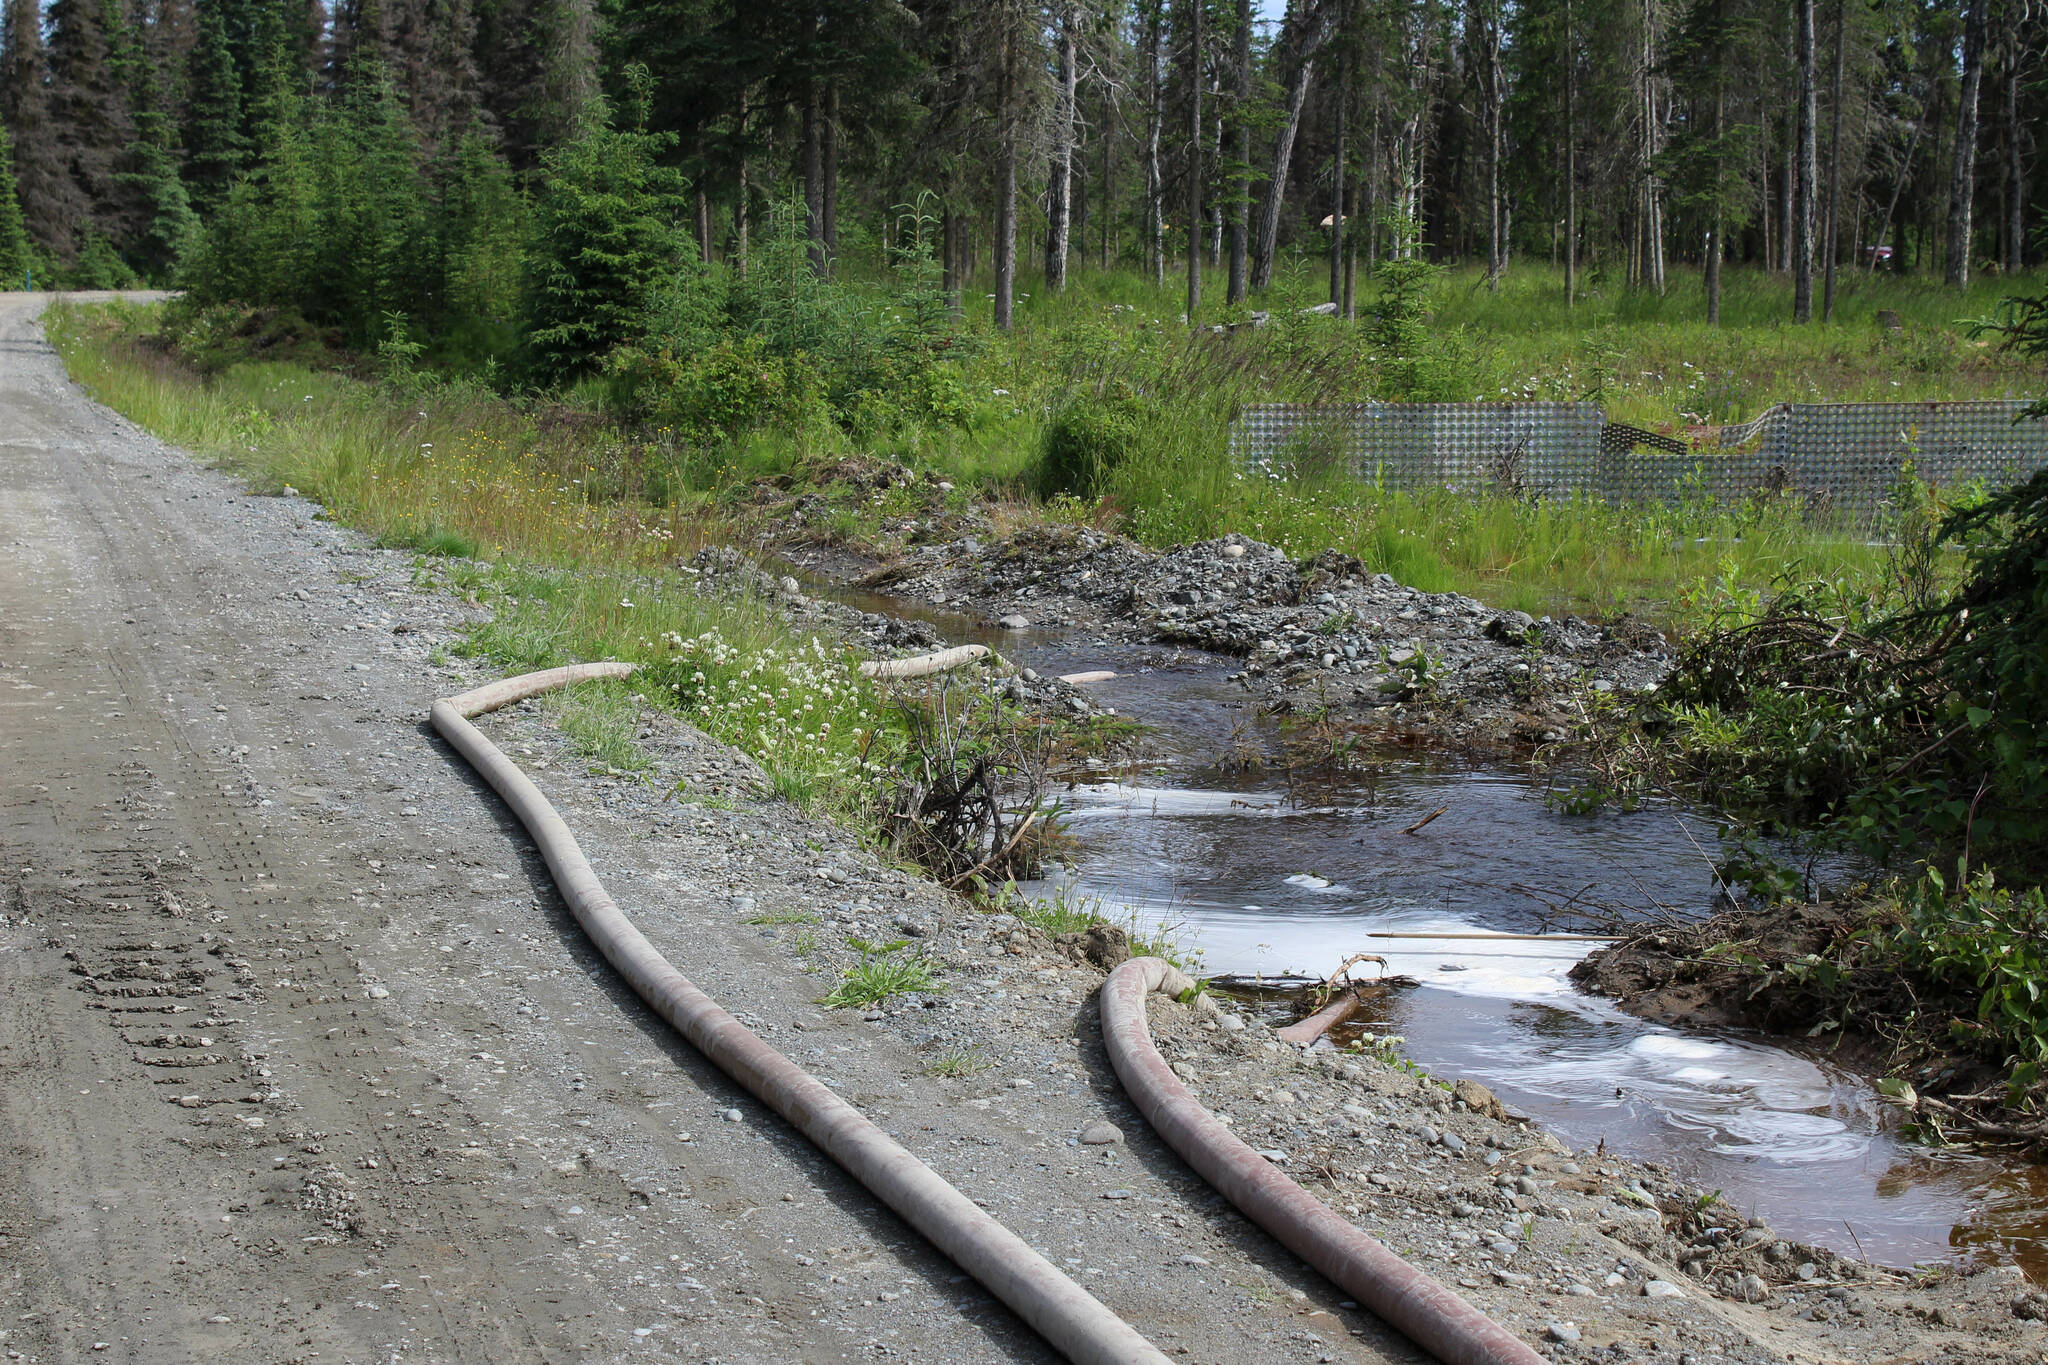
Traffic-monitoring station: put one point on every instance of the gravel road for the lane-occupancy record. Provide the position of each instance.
(301, 1059)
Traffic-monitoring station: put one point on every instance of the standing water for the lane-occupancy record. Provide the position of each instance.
(1266, 874)
(1273, 876)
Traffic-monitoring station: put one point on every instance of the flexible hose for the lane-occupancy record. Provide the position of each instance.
(1430, 1315)
(1066, 1315)
(1342, 1006)
(924, 665)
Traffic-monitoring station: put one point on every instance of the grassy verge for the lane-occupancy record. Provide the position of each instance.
(572, 568)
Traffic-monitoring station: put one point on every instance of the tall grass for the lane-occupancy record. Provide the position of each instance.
(458, 470)
(575, 565)
(444, 468)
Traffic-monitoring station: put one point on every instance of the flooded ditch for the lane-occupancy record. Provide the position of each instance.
(1276, 875)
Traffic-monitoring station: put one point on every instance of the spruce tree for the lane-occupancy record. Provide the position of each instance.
(606, 236)
(89, 101)
(478, 228)
(52, 204)
(14, 254)
(158, 221)
(215, 150)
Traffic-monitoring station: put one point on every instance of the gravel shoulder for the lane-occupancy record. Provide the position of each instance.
(301, 1058)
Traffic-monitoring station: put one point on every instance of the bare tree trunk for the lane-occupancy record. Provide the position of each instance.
(1006, 183)
(1802, 209)
(1107, 212)
(1241, 210)
(1653, 145)
(1834, 242)
(1787, 190)
(1350, 306)
(1276, 181)
(1195, 8)
(1962, 180)
(739, 207)
(1770, 234)
(1059, 192)
(1216, 142)
(1155, 182)
(949, 259)
(1714, 248)
(814, 176)
(1892, 204)
(703, 224)
(1571, 161)
(1337, 184)
(829, 198)
(2015, 182)
(1496, 97)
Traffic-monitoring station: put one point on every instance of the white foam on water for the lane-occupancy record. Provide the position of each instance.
(1097, 800)
(1672, 1045)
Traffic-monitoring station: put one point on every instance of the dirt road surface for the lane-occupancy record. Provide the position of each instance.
(302, 1060)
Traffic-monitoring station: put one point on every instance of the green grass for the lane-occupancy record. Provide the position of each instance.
(572, 568)
(602, 722)
(1064, 912)
(455, 472)
(884, 972)
(957, 1063)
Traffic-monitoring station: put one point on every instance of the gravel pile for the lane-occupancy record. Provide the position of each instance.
(1320, 634)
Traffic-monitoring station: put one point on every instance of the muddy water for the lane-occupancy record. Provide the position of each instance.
(1278, 876)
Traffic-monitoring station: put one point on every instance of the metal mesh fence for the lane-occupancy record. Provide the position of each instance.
(1839, 456)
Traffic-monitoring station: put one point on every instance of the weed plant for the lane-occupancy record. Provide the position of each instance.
(883, 972)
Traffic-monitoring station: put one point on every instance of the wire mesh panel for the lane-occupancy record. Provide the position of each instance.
(1842, 456)
(1542, 449)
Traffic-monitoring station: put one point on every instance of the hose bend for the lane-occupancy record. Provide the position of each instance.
(1078, 1325)
(1425, 1311)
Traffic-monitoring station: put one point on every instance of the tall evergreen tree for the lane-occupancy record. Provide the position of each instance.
(14, 252)
(160, 226)
(89, 102)
(215, 148)
(55, 209)
(605, 234)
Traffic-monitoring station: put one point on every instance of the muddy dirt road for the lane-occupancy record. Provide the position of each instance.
(302, 1060)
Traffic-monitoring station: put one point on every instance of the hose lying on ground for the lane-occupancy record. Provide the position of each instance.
(1066, 1315)
(924, 665)
(1430, 1315)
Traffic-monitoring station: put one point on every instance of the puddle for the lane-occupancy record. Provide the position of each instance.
(1278, 877)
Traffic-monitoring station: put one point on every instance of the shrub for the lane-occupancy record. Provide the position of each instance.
(1089, 436)
(719, 392)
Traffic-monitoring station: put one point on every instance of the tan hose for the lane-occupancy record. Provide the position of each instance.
(1430, 1315)
(924, 665)
(1342, 1006)
(1066, 1315)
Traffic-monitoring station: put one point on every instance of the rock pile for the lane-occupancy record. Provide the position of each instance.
(1323, 632)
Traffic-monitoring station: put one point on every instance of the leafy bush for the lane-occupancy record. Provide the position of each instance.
(711, 394)
(1988, 940)
(1090, 436)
